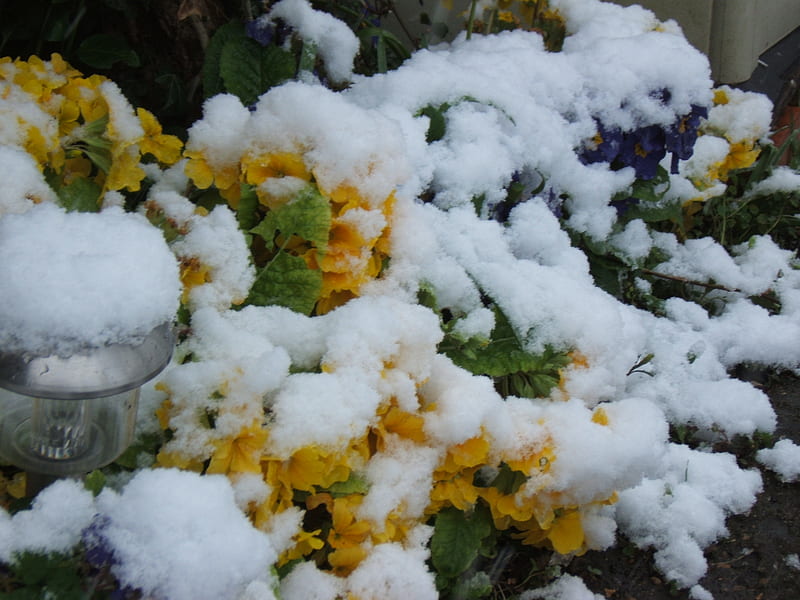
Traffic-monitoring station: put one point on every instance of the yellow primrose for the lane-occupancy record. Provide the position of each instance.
(469, 453)
(305, 543)
(395, 529)
(453, 490)
(165, 409)
(600, 416)
(396, 421)
(258, 169)
(309, 467)
(204, 175)
(347, 530)
(166, 148)
(343, 561)
(241, 454)
(192, 273)
(125, 171)
(533, 463)
(176, 460)
(507, 508)
(566, 533)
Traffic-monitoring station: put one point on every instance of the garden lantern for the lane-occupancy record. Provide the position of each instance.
(64, 416)
(87, 302)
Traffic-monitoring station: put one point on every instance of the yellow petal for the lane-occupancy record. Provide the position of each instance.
(566, 534)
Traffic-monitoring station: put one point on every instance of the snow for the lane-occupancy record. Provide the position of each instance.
(113, 275)
(516, 111)
(566, 587)
(54, 523)
(335, 41)
(177, 535)
(783, 458)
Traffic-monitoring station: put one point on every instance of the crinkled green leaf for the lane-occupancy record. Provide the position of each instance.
(355, 484)
(503, 354)
(81, 195)
(437, 123)
(212, 79)
(247, 211)
(249, 69)
(508, 481)
(307, 215)
(95, 481)
(476, 586)
(287, 281)
(104, 50)
(457, 538)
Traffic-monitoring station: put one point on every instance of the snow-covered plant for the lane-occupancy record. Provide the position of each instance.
(431, 310)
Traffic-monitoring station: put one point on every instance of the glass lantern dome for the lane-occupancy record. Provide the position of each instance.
(64, 416)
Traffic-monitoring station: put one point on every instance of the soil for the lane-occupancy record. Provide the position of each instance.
(750, 564)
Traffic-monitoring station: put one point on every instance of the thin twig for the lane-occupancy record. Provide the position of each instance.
(711, 286)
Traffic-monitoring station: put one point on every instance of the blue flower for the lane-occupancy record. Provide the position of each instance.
(682, 135)
(260, 30)
(603, 147)
(643, 150)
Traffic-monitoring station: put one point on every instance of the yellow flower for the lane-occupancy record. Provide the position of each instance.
(305, 543)
(600, 416)
(346, 530)
(741, 155)
(347, 534)
(307, 468)
(176, 460)
(163, 411)
(395, 421)
(125, 171)
(14, 487)
(469, 453)
(533, 463)
(566, 534)
(507, 509)
(193, 273)
(453, 490)
(204, 175)
(241, 454)
(166, 148)
(258, 169)
(344, 560)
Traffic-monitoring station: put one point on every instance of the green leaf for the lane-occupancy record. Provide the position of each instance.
(81, 195)
(104, 50)
(437, 125)
(247, 212)
(212, 79)
(308, 57)
(52, 575)
(287, 281)
(457, 538)
(249, 69)
(504, 354)
(355, 484)
(475, 587)
(95, 481)
(307, 215)
(507, 480)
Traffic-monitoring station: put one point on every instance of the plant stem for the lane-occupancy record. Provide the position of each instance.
(471, 19)
(711, 286)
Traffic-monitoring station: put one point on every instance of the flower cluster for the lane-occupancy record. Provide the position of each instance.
(645, 147)
(78, 129)
(308, 218)
(724, 148)
(388, 446)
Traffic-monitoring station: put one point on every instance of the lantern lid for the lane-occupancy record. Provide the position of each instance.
(91, 372)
